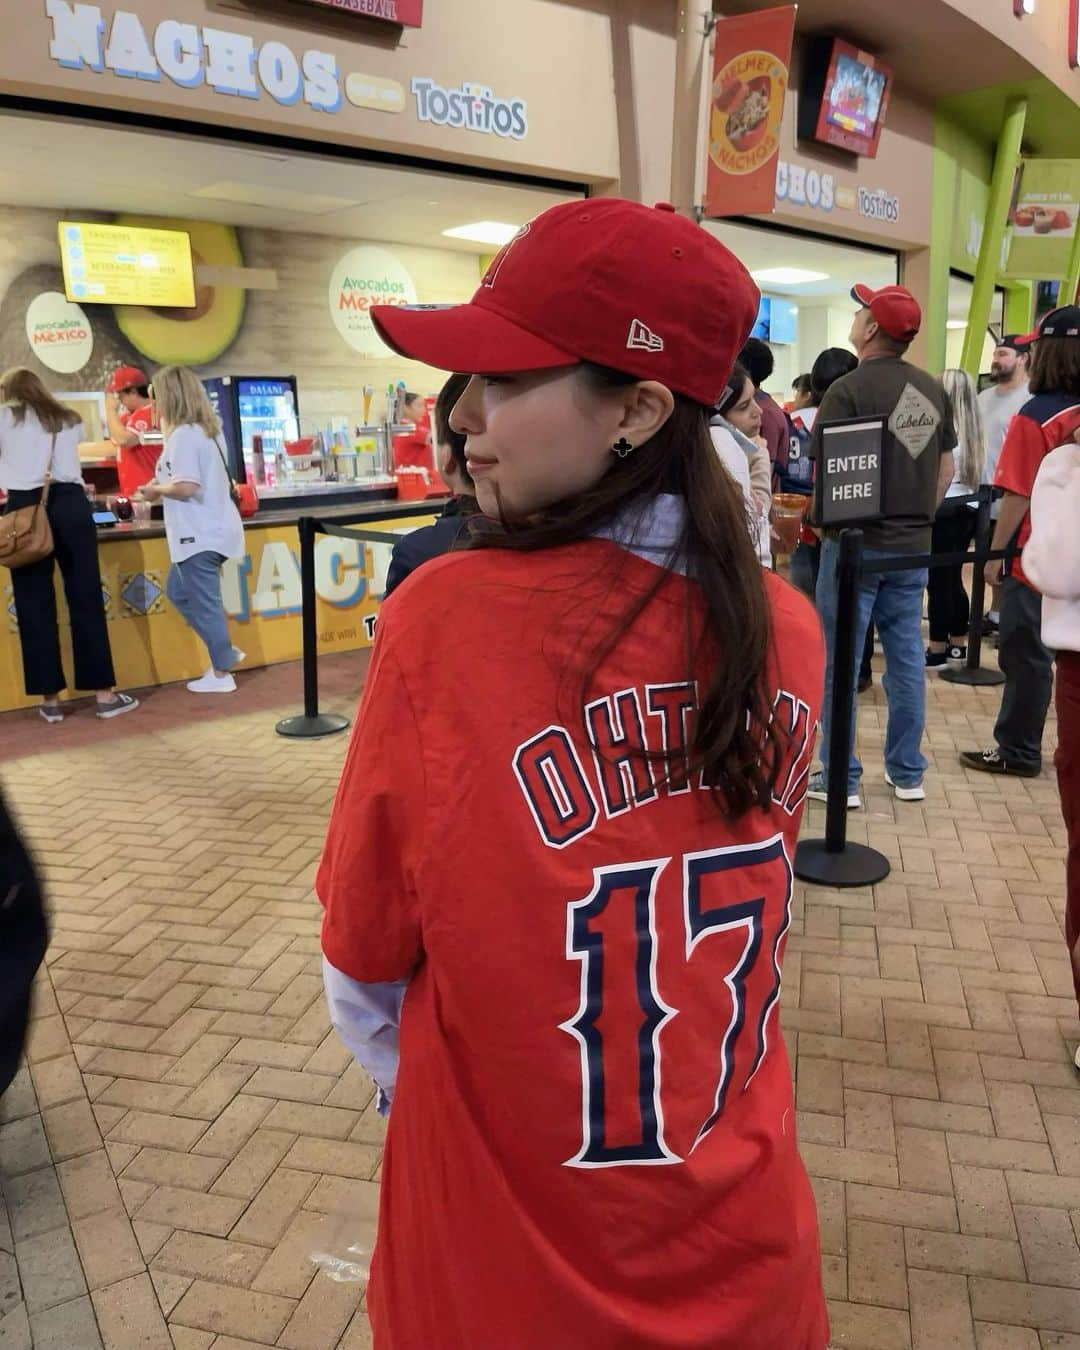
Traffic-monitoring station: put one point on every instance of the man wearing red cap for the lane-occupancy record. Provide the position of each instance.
(129, 412)
(917, 469)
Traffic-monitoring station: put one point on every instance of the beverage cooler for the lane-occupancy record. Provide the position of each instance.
(255, 406)
(292, 469)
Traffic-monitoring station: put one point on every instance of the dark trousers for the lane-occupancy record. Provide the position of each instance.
(1028, 668)
(76, 550)
(1067, 762)
(948, 603)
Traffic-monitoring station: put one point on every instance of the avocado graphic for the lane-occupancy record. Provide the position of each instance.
(110, 349)
(189, 337)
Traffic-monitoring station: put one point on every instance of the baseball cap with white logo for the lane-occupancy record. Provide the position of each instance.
(636, 288)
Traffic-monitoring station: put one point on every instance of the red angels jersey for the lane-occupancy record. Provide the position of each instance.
(1040, 426)
(592, 1141)
(136, 463)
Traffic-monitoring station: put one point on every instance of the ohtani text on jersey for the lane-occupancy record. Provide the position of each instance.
(638, 741)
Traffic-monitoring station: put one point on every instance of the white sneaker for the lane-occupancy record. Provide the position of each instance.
(213, 684)
(907, 794)
(1076, 1060)
(239, 657)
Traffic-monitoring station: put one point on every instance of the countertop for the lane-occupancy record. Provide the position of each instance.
(359, 511)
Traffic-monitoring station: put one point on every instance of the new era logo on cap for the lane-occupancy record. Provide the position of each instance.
(643, 339)
(572, 287)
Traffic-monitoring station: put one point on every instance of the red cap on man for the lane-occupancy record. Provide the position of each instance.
(126, 377)
(895, 310)
(637, 288)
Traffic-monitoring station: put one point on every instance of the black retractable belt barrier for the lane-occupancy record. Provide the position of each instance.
(311, 722)
(972, 672)
(833, 861)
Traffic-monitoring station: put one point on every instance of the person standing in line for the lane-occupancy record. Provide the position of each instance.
(129, 413)
(1047, 420)
(39, 440)
(758, 361)
(1052, 564)
(949, 606)
(802, 394)
(917, 467)
(202, 523)
(738, 414)
(433, 540)
(830, 365)
(599, 816)
(998, 405)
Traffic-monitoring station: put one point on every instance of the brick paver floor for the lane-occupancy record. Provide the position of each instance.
(188, 1120)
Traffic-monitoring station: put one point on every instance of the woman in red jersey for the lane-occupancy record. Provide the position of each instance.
(558, 876)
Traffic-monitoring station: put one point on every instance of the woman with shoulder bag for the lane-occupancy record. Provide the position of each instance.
(39, 457)
(202, 522)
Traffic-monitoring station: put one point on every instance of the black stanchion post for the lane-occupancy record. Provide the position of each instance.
(832, 861)
(972, 672)
(310, 722)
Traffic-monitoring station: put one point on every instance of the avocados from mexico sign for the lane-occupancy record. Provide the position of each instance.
(367, 276)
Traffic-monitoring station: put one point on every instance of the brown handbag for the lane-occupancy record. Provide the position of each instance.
(25, 533)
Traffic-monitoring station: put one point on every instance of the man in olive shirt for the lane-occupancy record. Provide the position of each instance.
(917, 468)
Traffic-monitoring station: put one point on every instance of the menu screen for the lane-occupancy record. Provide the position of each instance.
(856, 96)
(127, 265)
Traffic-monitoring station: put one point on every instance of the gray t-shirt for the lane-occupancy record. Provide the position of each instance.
(207, 522)
(919, 430)
(998, 408)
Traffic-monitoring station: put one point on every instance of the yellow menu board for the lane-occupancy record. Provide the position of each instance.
(127, 265)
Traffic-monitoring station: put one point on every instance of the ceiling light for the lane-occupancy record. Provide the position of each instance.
(787, 276)
(484, 232)
(1022, 7)
(954, 325)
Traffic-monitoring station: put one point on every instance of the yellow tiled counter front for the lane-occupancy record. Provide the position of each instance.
(151, 644)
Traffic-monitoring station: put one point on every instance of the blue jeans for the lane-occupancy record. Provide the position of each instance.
(194, 587)
(894, 600)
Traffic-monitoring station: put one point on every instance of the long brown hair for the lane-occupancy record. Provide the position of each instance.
(21, 389)
(736, 745)
(1055, 366)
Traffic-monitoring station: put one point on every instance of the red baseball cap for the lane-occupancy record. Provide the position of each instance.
(639, 289)
(126, 377)
(894, 308)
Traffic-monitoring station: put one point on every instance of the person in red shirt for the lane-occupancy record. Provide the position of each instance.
(558, 879)
(1047, 421)
(128, 413)
(414, 448)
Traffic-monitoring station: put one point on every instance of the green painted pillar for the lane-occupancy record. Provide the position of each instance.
(997, 217)
(1019, 306)
(1072, 276)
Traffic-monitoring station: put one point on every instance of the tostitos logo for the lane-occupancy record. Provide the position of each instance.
(746, 112)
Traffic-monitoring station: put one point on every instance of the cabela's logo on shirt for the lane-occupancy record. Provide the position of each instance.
(914, 421)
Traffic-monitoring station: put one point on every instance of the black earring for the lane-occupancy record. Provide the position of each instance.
(622, 447)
